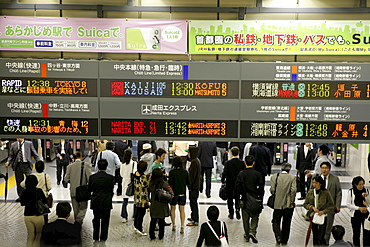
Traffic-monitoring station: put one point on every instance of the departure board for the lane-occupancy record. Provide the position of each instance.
(170, 89)
(305, 130)
(169, 128)
(49, 126)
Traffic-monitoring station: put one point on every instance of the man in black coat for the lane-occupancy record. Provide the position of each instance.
(205, 154)
(64, 155)
(101, 186)
(61, 232)
(119, 148)
(305, 157)
(231, 170)
(262, 157)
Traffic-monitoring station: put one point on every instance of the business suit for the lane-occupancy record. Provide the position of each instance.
(73, 176)
(304, 162)
(119, 149)
(205, 154)
(101, 186)
(263, 160)
(61, 232)
(64, 152)
(21, 165)
(286, 189)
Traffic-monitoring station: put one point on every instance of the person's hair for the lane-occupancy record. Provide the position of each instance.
(320, 180)
(110, 145)
(286, 167)
(31, 182)
(324, 149)
(159, 152)
(235, 151)
(213, 213)
(63, 209)
(357, 180)
(177, 162)
(127, 156)
(338, 232)
(249, 159)
(77, 155)
(40, 166)
(102, 164)
(157, 177)
(193, 152)
(141, 166)
(327, 164)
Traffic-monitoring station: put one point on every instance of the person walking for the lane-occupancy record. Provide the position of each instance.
(111, 157)
(178, 180)
(128, 167)
(358, 200)
(148, 156)
(285, 192)
(119, 148)
(205, 154)
(195, 173)
(73, 176)
(305, 157)
(263, 159)
(64, 154)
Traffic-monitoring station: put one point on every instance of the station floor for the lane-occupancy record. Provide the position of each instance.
(13, 230)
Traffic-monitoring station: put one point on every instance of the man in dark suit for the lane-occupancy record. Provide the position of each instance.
(263, 159)
(21, 162)
(64, 154)
(305, 157)
(61, 232)
(231, 170)
(205, 154)
(119, 149)
(101, 186)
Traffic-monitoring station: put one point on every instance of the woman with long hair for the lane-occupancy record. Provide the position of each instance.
(128, 166)
(34, 222)
(158, 210)
(141, 196)
(319, 201)
(358, 200)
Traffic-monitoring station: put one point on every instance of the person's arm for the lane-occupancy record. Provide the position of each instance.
(67, 177)
(293, 190)
(201, 236)
(338, 196)
(48, 182)
(330, 204)
(350, 202)
(171, 179)
(298, 161)
(272, 184)
(307, 202)
(11, 155)
(261, 185)
(225, 172)
(23, 183)
(34, 152)
(117, 161)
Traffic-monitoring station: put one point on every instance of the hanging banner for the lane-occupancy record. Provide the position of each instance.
(93, 35)
(280, 37)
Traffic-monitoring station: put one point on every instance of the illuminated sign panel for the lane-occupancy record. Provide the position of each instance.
(170, 128)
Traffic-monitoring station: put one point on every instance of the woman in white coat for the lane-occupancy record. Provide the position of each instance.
(128, 166)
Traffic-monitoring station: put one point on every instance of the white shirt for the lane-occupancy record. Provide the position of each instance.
(113, 161)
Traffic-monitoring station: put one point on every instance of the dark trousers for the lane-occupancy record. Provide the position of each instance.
(357, 222)
(101, 224)
(193, 197)
(318, 232)
(124, 213)
(153, 223)
(21, 169)
(61, 166)
(139, 216)
(208, 172)
(282, 230)
(302, 184)
(231, 196)
(118, 180)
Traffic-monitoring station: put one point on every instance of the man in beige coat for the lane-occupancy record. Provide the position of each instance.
(73, 176)
(285, 192)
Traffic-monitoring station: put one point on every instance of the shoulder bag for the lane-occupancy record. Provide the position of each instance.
(271, 200)
(49, 199)
(318, 219)
(41, 208)
(130, 186)
(222, 238)
(253, 205)
(163, 195)
(82, 191)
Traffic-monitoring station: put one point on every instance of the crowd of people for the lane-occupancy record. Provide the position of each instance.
(151, 182)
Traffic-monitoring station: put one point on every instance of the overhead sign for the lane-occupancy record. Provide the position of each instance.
(93, 35)
(279, 37)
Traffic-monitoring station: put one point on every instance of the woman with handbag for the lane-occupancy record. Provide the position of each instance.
(127, 168)
(358, 200)
(141, 196)
(319, 202)
(158, 210)
(33, 219)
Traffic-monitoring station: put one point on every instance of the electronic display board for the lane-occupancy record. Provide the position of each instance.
(305, 130)
(331, 90)
(49, 126)
(169, 128)
(65, 87)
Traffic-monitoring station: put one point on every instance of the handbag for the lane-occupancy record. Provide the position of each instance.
(271, 200)
(49, 198)
(82, 191)
(41, 208)
(318, 219)
(163, 195)
(253, 205)
(222, 238)
(367, 224)
(130, 186)
(223, 192)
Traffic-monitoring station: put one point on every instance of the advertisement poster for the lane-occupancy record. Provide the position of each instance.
(280, 37)
(93, 35)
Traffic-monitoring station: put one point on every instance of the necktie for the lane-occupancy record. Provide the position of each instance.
(20, 154)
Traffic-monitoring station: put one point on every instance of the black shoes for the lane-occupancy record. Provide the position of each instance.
(208, 196)
(253, 237)
(231, 216)
(238, 215)
(2, 175)
(301, 198)
(64, 184)
(167, 224)
(18, 199)
(58, 183)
